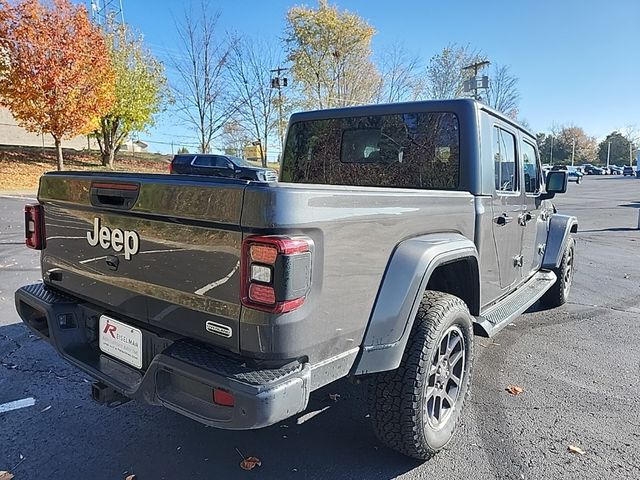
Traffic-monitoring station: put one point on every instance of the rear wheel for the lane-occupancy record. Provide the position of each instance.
(416, 408)
(559, 293)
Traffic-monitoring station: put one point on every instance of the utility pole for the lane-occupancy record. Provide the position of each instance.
(608, 152)
(573, 151)
(105, 12)
(472, 83)
(630, 154)
(278, 82)
(551, 153)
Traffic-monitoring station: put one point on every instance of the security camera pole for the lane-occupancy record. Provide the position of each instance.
(278, 82)
(472, 83)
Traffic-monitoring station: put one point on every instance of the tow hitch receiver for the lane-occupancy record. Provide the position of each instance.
(105, 395)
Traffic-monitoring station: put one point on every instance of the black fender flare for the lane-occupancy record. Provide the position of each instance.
(403, 285)
(560, 227)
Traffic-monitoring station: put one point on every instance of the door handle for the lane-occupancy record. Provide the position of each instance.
(524, 218)
(504, 219)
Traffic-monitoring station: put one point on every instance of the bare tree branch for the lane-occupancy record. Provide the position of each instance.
(249, 68)
(503, 93)
(400, 79)
(444, 74)
(200, 94)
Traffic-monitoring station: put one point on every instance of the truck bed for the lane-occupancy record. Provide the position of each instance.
(191, 229)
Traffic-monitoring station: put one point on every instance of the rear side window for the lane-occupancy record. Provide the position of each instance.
(504, 157)
(182, 159)
(211, 161)
(411, 150)
(202, 161)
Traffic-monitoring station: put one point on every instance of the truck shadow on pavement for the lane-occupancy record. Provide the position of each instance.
(65, 434)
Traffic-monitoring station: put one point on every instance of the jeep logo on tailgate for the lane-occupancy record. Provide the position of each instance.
(119, 240)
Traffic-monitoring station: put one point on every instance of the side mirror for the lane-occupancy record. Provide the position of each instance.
(556, 183)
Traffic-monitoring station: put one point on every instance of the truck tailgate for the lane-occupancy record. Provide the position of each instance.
(167, 255)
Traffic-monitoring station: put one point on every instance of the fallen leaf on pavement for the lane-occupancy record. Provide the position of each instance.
(130, 477)
(45, 409)
(574, 449)
(334, 396)
(514, 390)
(4, 475)
(250, 463)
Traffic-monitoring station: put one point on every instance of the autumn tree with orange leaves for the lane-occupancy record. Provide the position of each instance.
(55, 71)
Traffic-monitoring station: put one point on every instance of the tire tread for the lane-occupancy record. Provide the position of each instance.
(395, 396)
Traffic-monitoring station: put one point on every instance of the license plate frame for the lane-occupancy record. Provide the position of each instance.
(121, 341)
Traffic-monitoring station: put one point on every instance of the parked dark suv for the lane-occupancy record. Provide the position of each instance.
(627, 170)
(220, 166)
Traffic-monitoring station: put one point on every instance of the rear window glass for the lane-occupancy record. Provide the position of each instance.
(411, 150)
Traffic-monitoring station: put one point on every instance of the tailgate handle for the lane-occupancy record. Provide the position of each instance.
(114, 195)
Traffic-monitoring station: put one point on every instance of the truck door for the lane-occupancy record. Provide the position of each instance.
(532, 220)
(507, 206)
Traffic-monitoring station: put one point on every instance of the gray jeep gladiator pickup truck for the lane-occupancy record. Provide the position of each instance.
(396, 233)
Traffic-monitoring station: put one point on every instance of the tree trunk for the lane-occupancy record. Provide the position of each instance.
(112, 154)
(106, 156)
(58, 145)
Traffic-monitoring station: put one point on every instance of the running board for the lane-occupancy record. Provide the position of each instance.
(498, 316)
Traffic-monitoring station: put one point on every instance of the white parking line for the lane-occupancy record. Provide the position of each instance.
(69, 226)
(52, 238)
(217, 283)
(16, 197)
(17, 404)
(89, 260)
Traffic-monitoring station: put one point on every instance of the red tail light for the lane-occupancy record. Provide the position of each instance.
(224, 398)
(34, 226)
(170, 167)
(276, 273)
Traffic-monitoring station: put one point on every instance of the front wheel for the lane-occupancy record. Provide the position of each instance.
(416, 408)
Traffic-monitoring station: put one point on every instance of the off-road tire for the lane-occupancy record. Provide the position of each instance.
(559, 293)
(397, 398)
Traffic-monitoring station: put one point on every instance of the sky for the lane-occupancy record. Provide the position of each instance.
(578, 62)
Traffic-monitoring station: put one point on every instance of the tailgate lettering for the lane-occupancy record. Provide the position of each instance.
(117, 239)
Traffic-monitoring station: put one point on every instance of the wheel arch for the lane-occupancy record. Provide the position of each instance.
(560, 228)
(416, 265)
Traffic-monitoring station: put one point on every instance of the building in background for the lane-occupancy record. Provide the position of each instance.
(134, 146)
(13, 134)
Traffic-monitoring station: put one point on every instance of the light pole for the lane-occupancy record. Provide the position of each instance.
(551, 153)
(279, 82)
(573, 151)
(608, 152)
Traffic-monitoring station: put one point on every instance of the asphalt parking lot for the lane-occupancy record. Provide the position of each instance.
(579, 366)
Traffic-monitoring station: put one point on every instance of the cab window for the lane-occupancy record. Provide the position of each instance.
(504, 158)
(531, 168)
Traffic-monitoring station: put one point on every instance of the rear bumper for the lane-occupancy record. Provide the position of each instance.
(177, 373)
